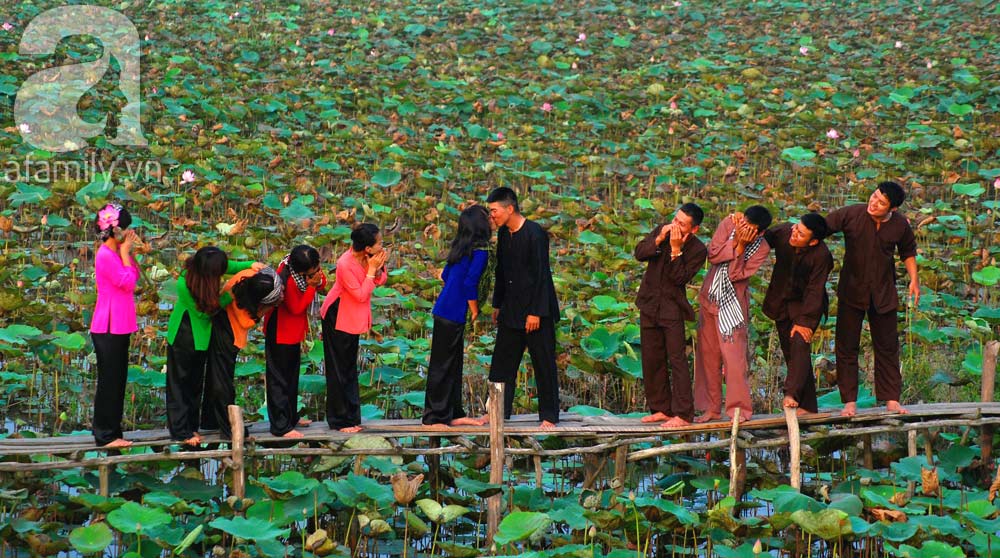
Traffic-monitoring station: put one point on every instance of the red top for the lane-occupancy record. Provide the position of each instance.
(293, 319)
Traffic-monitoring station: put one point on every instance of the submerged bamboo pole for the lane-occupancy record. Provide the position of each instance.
(239, 473)
(494, 408)
(794, 447)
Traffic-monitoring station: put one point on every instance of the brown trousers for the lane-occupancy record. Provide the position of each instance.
(885, 342)
(800, 384)
(716, 358)
(666, 375)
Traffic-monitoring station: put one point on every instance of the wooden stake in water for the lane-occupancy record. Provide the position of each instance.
(734, 461)
(239, 473)
(494, 408)
(989, 383)
(794, 447)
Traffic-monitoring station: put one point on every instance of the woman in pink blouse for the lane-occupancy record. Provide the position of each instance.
(347, 313)
(116, 273)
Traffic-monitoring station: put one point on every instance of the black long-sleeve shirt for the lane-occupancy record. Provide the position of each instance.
(797, 291)
(523, 285)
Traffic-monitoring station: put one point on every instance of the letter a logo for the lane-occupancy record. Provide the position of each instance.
(45, 107)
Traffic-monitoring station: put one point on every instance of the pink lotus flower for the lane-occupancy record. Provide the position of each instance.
(803, 50)
(546, 107)
(234, 15)
(154, 91)
(930, 64)
(833, 134)
(581, 37)
(673, 105)
(677, 4)
(330, 32)
(7, 26)
(24, 128)
(573, 65)
(147, 37)
(45, 220)
(996, 184)
(857, 153)
(20, 284)
(499, 136)
(899, 44)
(187, 177)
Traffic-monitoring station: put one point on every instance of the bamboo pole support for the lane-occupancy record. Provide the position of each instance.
(105, 476)
(239, 473)
(494, 408)
(989, 383)
(911, 451)
(794, 447)
(866, 441)
(621, 459)
(734, 461)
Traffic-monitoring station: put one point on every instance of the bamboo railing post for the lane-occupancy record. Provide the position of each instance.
(494, 408)
(911, 451)
(866, 441)
(794, 447)
(734, 458)
(239, 474)
(989, 383)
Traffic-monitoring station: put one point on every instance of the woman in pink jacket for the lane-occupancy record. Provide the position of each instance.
(116, 273)
(347, 313)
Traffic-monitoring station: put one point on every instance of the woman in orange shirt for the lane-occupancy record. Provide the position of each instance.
(347, 313)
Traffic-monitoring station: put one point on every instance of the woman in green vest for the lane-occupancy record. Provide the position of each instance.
(188, 334)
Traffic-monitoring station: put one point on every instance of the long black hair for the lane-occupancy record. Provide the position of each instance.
(249, 293)
(203, 272)
(473, 233)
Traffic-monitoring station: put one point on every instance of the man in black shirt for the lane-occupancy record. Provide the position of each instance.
(525, 308)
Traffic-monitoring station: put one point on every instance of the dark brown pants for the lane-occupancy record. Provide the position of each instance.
(666, 374)
(885, 342)
(800, 384)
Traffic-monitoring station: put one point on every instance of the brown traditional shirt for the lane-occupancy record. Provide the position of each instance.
(797, 291)
(663, 293)
(868, 275)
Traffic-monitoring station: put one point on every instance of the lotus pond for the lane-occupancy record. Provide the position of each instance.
(271, 124)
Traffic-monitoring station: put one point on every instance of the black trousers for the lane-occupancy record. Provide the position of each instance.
(282, 380)
(666, 374)
(885, 342)
(443, 395)
(185, 382)
(508, 351)
(112, 375)
(340, 356)
(220, 388)
(800, 383)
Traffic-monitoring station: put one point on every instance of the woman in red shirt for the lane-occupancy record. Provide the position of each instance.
(284, 331)
(347, 313)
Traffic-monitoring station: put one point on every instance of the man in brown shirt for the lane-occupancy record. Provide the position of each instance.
(872, 232)
(674, 255)
(796, 300)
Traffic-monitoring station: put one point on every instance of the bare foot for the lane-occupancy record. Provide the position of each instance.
(546, 425)
(676, 422)
(437, 426)
(894, 407)
(466, 421)
(800, 411)
(789, 402)
(350, 429)
(484, 420)
(850, 409)
(119, 443)
(292, 434)
(655, 417)
(707, 417)
(304, 422)
(193, 441)
(742, 418)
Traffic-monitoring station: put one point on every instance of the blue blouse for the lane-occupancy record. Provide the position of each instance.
(461, 284)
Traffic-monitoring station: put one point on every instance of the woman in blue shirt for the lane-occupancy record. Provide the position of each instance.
(466, 261)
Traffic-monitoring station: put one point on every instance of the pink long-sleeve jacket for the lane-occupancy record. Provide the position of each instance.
(115, 308)
(354, 289)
